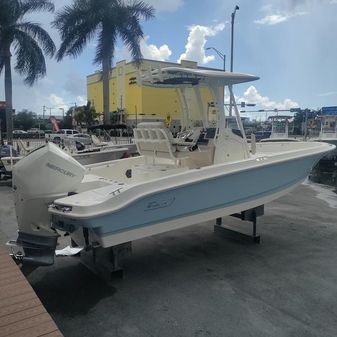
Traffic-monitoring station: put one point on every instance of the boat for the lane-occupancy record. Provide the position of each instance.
(83, 154)
(207, 171)
(87, 155)
(279, 129)
(328, 133)
(328, 128)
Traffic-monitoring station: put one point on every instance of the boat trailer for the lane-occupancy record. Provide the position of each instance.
(247, 215)
(108, 263)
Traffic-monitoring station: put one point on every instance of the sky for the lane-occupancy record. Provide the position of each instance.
(290, 44)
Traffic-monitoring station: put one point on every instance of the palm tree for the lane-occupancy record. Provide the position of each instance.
(89, 113)
(107, 20)
(28, 41)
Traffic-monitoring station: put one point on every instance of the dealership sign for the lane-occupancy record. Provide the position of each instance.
(329, 110)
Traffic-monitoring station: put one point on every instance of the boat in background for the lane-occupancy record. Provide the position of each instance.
(85, 155)
(207, 171)
(328, 133)
(279, 129)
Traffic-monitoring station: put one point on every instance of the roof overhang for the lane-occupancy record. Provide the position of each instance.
(178, 77)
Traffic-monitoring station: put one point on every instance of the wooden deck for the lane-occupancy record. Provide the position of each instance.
(21, 312)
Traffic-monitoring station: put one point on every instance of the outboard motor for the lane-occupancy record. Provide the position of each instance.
(39, 178)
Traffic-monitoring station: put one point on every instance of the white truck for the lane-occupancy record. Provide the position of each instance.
(60, 134)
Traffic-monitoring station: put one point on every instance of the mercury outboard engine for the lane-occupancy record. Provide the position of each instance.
(39, 178)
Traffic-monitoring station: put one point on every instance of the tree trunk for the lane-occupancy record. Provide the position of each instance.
(106, 90)
(9, 98)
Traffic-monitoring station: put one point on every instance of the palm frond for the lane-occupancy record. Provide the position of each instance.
(131, 33)
(140, 9)
(38, 33)
(132, 42)
(29, 6)
(30, 60)
(130, 28)
(76, 26)
(79, 23)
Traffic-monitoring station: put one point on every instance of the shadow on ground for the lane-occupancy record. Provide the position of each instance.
(71, 290)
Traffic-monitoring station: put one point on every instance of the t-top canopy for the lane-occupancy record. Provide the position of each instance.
(176, 76)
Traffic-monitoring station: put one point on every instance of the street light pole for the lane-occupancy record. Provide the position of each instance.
(232, 35)
(221, 55)
(232, 47)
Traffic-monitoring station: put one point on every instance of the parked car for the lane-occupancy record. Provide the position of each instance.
(35, 131)
(19, 132)
(59, 135)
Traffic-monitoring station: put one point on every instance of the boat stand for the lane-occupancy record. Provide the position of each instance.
(107, 263)
(247, 215)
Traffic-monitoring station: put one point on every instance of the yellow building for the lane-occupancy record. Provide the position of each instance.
(138, 103)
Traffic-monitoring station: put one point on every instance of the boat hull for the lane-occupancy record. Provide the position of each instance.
(332, 155)
(191, 203)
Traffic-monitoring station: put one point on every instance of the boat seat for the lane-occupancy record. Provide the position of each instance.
(155, 139)
(97, 142)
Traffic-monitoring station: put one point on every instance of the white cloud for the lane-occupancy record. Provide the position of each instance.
(81, 100)
(165, 6)
(152, 52)
(54, 104)
(329, 93)
(273, 19)
(149, 51)
(195, 47)
(251, 95)
(56, 101)
(285, 11)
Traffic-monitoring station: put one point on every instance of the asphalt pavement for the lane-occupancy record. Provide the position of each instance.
(194, 282)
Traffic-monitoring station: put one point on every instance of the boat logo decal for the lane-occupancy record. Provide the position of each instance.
(153, 205)
(61, 170)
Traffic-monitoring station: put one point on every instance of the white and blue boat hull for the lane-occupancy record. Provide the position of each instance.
(188, 204)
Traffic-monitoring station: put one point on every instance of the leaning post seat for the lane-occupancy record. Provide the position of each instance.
(156, 140)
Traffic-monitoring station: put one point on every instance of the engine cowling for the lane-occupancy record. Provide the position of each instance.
(39, 178)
